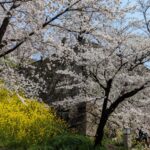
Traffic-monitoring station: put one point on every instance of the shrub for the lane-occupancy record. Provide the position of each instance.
(25, 124)
(69, 142)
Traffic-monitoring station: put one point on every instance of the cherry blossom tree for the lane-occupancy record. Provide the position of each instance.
(96, 41)
(113, 55)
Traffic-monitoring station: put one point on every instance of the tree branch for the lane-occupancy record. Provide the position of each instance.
(12, 1)
(5, 22)
(43, 26)
(121, 98)
(95, 78)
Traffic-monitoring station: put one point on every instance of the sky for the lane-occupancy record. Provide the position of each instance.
(147, 65)
(36, 56)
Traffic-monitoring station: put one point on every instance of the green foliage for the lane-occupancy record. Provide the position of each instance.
(69, 142)
(113, 143)
(138, 145)
(26, 124)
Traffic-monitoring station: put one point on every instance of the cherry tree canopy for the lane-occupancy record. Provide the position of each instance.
(95, 42)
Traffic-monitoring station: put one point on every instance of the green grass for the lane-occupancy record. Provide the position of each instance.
(68, 142)
(60, 142)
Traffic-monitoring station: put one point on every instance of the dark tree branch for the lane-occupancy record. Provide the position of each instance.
(95, 78)
(145, 9)
(123, 97)
(12, 49)
(147, 22)
(140, 60)
(12, 1)
(119, 69)
(5, 24)
(43, 26)
(60, 14)
(6, 21)
(63, 28)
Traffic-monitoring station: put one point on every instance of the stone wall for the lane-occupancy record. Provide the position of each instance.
(74, 114)
(83, 116)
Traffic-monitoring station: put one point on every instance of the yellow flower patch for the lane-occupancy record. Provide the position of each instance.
(29, 123)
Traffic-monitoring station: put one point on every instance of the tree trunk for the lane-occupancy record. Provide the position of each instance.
(100, 130)
(104, 116)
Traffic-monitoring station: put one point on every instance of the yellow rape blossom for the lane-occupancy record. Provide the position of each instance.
(29, 124)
